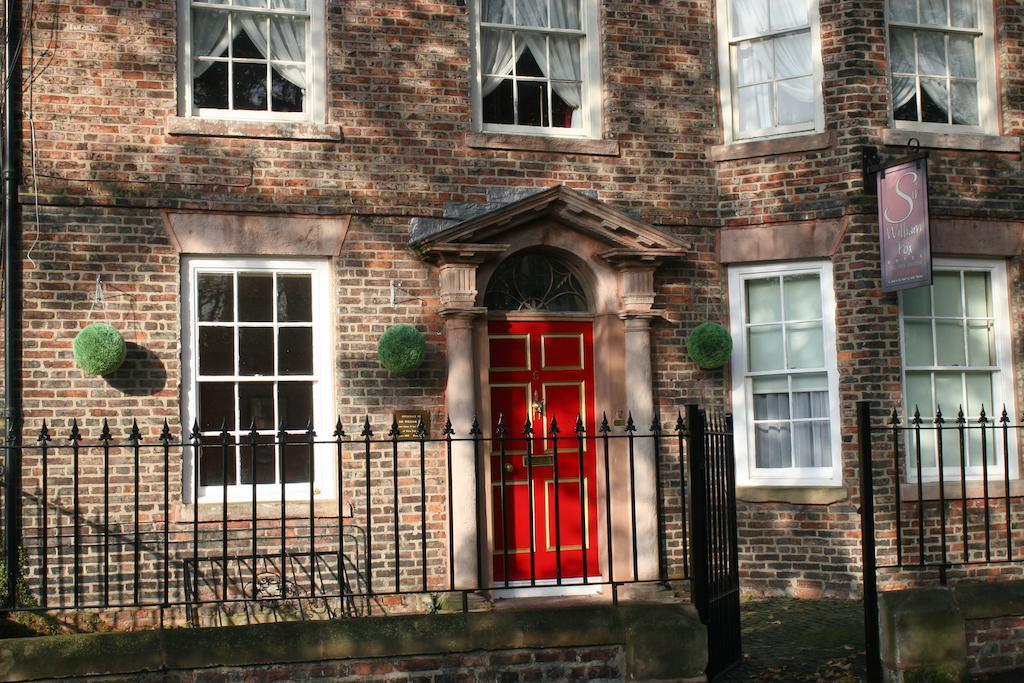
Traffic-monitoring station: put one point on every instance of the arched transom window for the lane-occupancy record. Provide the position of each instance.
(535, 282)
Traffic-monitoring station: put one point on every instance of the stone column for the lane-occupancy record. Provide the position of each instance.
(636, 288)
(458, 298)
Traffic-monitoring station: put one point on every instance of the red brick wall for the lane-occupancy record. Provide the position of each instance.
(995, 644)
(103, 85)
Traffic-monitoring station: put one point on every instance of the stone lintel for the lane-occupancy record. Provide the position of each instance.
(239, 234)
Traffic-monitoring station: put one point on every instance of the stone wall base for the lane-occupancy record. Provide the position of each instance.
(634, 642)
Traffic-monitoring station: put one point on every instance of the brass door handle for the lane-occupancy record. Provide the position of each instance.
(509, 467)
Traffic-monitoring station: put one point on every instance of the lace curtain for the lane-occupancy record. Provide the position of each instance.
(287, 39)
(930, 48)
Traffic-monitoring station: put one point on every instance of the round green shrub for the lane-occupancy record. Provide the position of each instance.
(400, 349)
(709, 345)
(99, 349)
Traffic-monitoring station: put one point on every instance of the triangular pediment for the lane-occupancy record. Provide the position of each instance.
(626, 236)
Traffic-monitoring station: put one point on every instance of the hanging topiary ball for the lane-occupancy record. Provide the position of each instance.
(709, 345)
(99, 349)
(400, 349)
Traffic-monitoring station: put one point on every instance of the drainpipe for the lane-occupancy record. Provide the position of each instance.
(12, 294)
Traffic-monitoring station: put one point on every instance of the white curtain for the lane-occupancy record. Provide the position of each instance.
(930, 50)
(561, 64)
(287, 38)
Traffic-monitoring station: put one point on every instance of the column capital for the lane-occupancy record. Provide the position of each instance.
(455, 314)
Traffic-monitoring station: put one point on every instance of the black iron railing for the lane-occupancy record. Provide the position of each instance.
(108, 523)
(939, 500)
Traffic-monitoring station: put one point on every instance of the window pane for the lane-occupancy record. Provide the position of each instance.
(808, 404)
(531, 12)
(904, 99)
(787, 13)
(934, 101)
(765, 348)
(770, 385)
(255, 297)
(294, 298)
(771, 406)
(210, 87)
(211, 462)
(209, 33)
(256, 403)
(925, 437)
(964, 14)
(810, 382)
(947, 293)
(285, 96)
(297, 5)
(772, 445)
(749, 17)
(919, 393)
(931, 53)
(949, 394)
(933, 12)
(297, 460)
(497, 106)
(755, 107)
(903, 10)
(764, 301)
(793, 55)
(803, 297)
(754, 62)
(796, 101)
(533, 104)
(295, 351)
(917, 301)
(961, 57)
(901, 51)
(255, 351)
(565, 14)
(979, 394)
(250, 87)
(806, 344)
(918, 340)
(295, 402)
(965, 103)
(266, 457)
(242, 47)
(216, 406)
(811, 444)
(215, 298)
(288, 39)
(216, 351)
(980, 343)
(533, 60)
(496, 11)
(949, 343)
(978, 295)
(563, 114)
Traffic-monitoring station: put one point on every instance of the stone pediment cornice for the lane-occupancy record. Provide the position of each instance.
(627, 237)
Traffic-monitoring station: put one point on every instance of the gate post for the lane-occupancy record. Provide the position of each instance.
(12, 511)
(867, 525)
(698, 509)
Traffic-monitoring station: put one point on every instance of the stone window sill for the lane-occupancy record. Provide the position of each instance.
(212, 511)
(221, 128)
(952, 492)
(797, 495)
(775, 146)
(537, 143)
(975, 142)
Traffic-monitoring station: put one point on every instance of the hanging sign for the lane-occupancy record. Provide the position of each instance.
(903, 221)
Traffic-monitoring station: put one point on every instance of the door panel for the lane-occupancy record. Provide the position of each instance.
(543, 370)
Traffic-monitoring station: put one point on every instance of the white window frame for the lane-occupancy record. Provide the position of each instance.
(591, 83)
(984, 59)
(314, 98)
(728, 79)
(1002, 381)
(747, 473)
(323, 374)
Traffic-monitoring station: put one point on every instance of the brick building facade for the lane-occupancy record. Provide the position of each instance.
(672, 203)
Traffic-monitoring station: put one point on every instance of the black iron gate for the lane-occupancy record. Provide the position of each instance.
(714, 546)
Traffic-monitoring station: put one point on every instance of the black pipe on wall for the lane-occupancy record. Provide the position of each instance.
(12, 291)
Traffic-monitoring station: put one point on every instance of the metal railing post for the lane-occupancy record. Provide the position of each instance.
(12, 510)
(698, 508)
(867, 517)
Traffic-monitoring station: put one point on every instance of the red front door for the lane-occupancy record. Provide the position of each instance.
(544, 371)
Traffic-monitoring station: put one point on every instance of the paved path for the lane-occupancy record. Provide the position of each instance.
(801, 641)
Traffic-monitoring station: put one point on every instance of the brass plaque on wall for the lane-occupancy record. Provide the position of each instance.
(408, 423)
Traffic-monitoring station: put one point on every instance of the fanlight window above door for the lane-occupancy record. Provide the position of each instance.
(535, 282)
